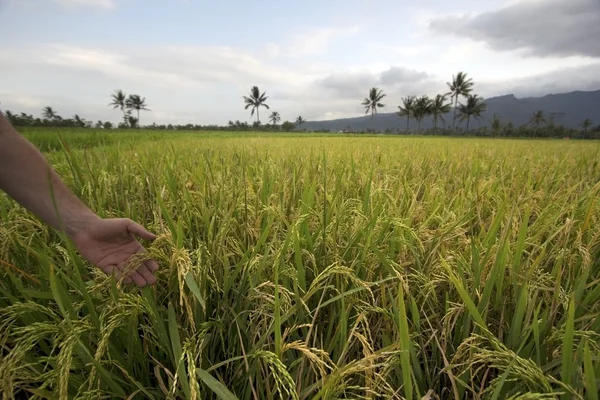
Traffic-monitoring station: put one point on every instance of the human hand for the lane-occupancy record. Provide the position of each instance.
(109, 244)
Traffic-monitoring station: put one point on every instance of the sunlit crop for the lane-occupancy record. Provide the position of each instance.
(314, 268)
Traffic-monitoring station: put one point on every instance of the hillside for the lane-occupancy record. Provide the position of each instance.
(568, 109)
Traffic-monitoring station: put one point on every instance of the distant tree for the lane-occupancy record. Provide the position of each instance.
(509, 129)
(119, 100)
(474, 107)
(373, 101)
(79, 122)
(49, 113)
(460, 86)
(10, 117)
(255, 100)
(421, 109)
(596, 132)
(25, 119)
(537, 120)
(256, 124)
(496, 125)
(299, 122)
(406, 109)
(135, 102)
(438, 108)
(99, 125)
(107, 125)
(586, 125)
(132, 121)
(288, 126)
(275, 118)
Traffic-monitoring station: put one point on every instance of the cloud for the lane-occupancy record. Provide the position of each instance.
(102, 4)
(180, 66)
(542, 28)
(562, 80)
(395, 79)
(317, 40)
(204, 84)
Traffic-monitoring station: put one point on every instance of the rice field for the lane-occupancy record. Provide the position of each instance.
(313, 268)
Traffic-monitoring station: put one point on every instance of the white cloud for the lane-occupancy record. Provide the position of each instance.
(318, 40)
(102, 4)
(181, 66)
(21, 101)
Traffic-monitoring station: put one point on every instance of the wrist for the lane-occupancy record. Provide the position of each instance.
(79, 223)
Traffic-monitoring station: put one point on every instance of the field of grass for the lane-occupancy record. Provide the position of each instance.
(314, 268)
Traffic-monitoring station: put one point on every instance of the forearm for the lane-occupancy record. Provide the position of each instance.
(26, 176)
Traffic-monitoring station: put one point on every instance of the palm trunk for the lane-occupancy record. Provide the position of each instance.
(468, 120)
(138, 116)
(535, 131)
(407, 124)
(373, 120)
(257, 116)
(454, 118)
(420, 125)
(435, 118)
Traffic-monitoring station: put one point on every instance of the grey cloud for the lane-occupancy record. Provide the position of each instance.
(399, 79)
(585, 78)
(401, 75)
(538, 28)
(339, 95)
(347, 84)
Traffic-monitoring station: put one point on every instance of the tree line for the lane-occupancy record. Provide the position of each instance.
(471, 106)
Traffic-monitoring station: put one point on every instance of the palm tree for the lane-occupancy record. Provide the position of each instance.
(460, 86)
(406, 109)
(537, 119)
(473, 108)
(438, 108)
(255, 100)
(135, 102)
(373, 101)
(586, 124)
(132, 121)
(119, 100)
(79, 122)
(299, 122)
(421, 109)
(49, 113)
(275, 118)
(496, 125)
(10, 117)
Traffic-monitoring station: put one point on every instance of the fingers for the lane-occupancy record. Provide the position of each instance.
(145, 273)
(116, 271)
(139, 230)
(138, 279)
(142, 276)
(152, 265)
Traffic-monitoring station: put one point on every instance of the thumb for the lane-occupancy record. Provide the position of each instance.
(139, 230)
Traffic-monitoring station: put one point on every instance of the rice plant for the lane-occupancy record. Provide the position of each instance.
(314, 268)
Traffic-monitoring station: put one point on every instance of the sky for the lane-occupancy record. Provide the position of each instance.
(194, 60)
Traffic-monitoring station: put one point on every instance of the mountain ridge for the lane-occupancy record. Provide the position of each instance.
(568, 109)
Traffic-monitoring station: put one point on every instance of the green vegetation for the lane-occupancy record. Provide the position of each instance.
(412, 106)
(314, 268)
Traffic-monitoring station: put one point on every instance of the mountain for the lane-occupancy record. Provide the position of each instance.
(567, 109)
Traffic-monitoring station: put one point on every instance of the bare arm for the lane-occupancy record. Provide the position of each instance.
(26, 176)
